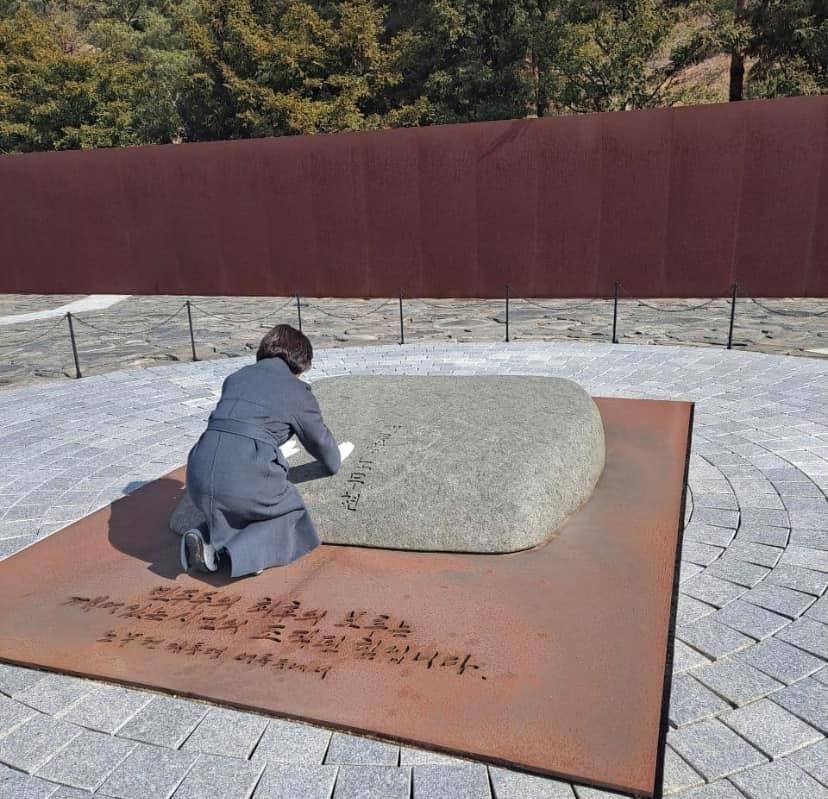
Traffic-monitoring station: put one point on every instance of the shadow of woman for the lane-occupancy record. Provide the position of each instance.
(139, 527)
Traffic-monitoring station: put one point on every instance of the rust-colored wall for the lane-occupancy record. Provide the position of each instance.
(672, 203)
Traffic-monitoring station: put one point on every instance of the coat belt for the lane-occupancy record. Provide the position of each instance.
(238, 428)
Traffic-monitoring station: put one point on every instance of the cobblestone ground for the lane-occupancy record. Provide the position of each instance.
(147, 331)
(749, 708)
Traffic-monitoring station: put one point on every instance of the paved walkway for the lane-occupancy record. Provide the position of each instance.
(147, 331)
(749, 711)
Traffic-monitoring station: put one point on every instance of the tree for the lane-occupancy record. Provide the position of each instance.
(790, 46)
(621, 55)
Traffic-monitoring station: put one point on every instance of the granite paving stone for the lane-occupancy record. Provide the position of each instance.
(713, 749)
(712, 590)
(689, 609)
(707, 534)
(106, 709)
(678, 775)
(86, 761)
(508, 784)
(148, 771)
(779, 660)
(226, 732)
(770, 728)
(16, 785)
(372, 782)
(690, 701)
(737, 682)
(813, 539)
(712, 638)
(31, 744)
(779, 599)
(714, 790)
(760, 554)
(758, 517)
(802, 579)
(819, 610)
(69, 793)
(686, 658)
(770, 536)
(717, 518)
(815, 518)
(806, 558)
(733, 570)
(779, 780)
(688, 570)
(215, 777)
(290, 742)
(699, 553)
(291, 781)
(13, 714)
(821, 675)
(15, 679)
(814, 760)
(55, 692)
(348, 750)
(812, 636)
(807, 699)
(750, 619)
(595, 793)
(460, 782)
(165, 721)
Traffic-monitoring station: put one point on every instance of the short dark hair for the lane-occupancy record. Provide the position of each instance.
(287, 343)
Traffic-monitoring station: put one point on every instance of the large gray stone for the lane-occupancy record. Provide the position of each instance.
(463, 464)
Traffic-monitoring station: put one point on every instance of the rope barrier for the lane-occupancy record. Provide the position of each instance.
(20, 347)
(308, 306)
(243, 321)
(561, 308)
(783, 312)
(122, 332)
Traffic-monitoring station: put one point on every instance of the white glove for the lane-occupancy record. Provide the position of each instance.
(345, 449)
(290, 447)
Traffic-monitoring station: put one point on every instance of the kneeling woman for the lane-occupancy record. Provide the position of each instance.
(237, 475)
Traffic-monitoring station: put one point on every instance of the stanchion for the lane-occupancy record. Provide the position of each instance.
(78, 374)
(615, 313)
(192, 337)
(507, 312)
(299, 311)
(732, 315)
(402, 330)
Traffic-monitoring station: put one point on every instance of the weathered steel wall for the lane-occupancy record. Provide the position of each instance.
(671, 203)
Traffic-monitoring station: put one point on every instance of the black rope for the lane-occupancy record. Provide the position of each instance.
(679, 310)
(782, 312)
(268, 315)
(312, 307)
(20, 347)
(122, 332)
(561, 308)
(454, 306)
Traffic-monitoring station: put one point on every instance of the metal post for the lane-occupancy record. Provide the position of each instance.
(192, 338)
(402, 331)
(507, 312)
(615, 313)
(299, 311)
(78, 374)
(732, 315)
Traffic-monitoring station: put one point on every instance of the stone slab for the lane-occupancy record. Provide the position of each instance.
(448, 649)
(508, 458)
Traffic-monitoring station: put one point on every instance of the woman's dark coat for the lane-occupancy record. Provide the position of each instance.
(237, 476)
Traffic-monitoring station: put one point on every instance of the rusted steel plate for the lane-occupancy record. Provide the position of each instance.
(677, 202)
(552, 659)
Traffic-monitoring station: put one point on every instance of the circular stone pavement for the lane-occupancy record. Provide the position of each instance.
(749, 709)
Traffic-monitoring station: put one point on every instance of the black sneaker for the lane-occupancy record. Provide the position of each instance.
(196, 553)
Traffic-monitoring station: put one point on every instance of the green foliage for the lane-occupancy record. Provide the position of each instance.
(790, 45)
(102, 73)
